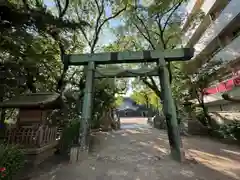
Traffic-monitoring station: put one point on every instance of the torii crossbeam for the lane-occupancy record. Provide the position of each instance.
(130, 57)
(159, 57)
(124, 73)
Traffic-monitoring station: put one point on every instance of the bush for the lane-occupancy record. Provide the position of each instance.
(202, 118)
(11, 161)
(231, 130)
(69, 135)
(95, 123)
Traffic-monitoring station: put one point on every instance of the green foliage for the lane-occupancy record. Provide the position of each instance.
(96, 122)
(104, 99)
(155, 25)
(141, 97)
(200, 80)
(231, 130)
(146, 97)
(118, 101)
(31, 37)
(202, 118)
(69, 135)
(12, 159)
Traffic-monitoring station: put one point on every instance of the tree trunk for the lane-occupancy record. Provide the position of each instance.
(2, 125)
(205, 111)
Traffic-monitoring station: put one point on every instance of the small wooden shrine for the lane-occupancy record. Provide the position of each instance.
(33, 133)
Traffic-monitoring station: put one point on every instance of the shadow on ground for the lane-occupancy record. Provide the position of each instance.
(140, 153)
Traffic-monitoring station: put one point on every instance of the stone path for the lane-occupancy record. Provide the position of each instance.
(140, 153)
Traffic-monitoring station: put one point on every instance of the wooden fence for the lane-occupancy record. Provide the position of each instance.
(29, 137)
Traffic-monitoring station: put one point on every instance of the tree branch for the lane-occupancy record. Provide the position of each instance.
(152, 86)
(147, 32)
(158, 20)
(64, 9)
(25, 3)
(168, 38)
(145, 37)
(159, 24)
(153, 82)
(61, 10)
(100, 13)
(59, 7)
(81, 29)
(174, 8)
(101, 25)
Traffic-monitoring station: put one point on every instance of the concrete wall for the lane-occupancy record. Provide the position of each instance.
(225, 111)
(226, 16)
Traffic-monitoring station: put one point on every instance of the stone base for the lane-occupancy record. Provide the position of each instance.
(34, 157)
(196, 128)
(179, 157)
(76, 155)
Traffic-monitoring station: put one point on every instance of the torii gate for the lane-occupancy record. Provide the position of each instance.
(159, 57)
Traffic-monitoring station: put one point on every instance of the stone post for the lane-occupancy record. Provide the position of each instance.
(170, 113)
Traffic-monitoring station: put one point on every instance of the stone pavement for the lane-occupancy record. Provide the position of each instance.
(141, 152)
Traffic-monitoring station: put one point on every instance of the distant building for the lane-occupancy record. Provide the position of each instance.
(129, 108)
(215, 35)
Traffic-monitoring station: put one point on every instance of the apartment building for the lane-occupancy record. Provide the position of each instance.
(212, 27)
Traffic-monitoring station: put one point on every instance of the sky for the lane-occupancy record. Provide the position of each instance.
(107, 36)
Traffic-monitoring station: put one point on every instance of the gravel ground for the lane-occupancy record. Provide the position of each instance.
(141, 152)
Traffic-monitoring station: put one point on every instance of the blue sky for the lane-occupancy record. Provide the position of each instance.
(107, 35)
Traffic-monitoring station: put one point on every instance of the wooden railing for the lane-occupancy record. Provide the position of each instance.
(30, 137)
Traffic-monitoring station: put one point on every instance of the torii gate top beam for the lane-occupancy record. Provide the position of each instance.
(181, 54)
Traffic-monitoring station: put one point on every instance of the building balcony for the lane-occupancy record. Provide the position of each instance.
(230, 53)
(227, 15)
(189, 8)
(199, 25)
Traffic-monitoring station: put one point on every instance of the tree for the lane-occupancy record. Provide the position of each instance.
(141, 97)
(98, 13)
(118, 101)
(26, 31)
(200, 80)
(32, 38)
(146, 97)
(156, 27)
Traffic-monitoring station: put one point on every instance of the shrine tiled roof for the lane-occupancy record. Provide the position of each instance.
(33, 100)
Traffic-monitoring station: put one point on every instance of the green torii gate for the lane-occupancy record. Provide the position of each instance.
(160, 57)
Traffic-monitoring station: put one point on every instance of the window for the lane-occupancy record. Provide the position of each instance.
(236, 32)
(217, 10)
(213, 16)
(216, 50)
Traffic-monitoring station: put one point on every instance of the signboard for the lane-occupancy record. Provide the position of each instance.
(223, 86)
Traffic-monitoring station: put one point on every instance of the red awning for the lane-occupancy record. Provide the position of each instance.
(229, 84)
(211, 90)
(237, 81)
(223, 86)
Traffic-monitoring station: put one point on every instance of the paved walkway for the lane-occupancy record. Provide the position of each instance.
(140, 152)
